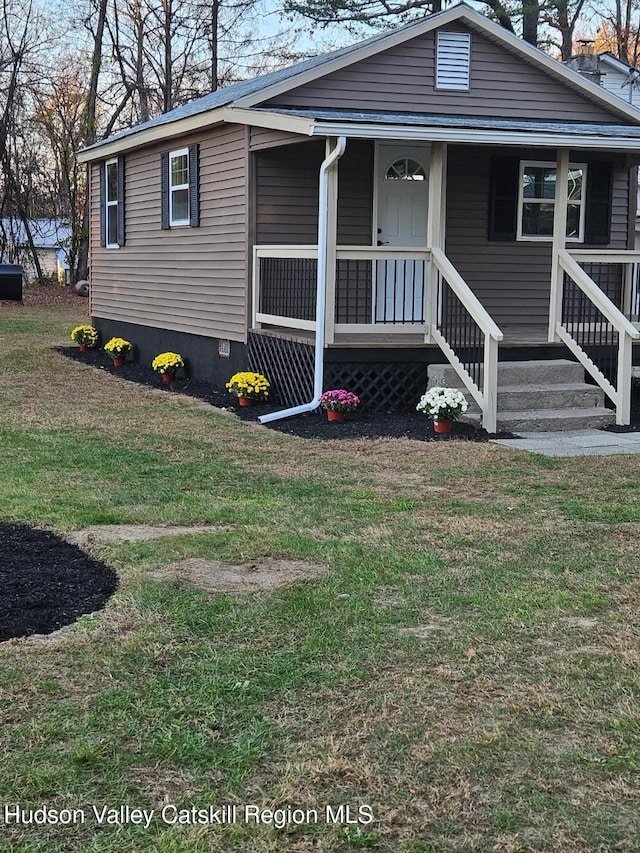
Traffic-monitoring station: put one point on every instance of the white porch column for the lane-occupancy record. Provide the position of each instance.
(559, 241)
(436, 218)
(332, 239)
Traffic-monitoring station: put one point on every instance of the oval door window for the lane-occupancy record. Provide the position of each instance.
(405, 169)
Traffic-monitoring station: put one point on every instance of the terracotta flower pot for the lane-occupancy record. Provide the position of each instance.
(245, 401)
(168, 377)
(118, 362)
(442, 426)
(332, 415)
(83, 347)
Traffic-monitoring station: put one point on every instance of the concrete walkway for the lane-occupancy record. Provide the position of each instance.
(582, 442)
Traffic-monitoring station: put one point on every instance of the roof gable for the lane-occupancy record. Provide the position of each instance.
(272, 88)
(403, 78)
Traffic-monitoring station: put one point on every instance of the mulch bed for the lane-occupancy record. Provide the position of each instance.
(47, 582)
(359, 424)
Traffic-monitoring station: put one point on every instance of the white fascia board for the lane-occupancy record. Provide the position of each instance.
(477, 137)
(157, 133)
(191, 124)
(476, 21)
(272, 121)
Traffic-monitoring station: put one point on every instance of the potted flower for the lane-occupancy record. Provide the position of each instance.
(85, 336)
(117, 349)
(337, 402)
(443, 406)
(248, 386)
(166, 365)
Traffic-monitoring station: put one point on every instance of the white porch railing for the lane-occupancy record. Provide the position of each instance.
(467, 336)
(370, 290)
(388, 291)
(596, 330)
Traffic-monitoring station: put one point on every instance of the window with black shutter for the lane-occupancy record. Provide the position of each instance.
(180, 176)
(522, 201)
(112, 203)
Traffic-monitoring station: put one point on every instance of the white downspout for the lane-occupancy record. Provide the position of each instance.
(321, 288)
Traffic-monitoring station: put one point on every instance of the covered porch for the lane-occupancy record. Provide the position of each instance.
(393, 296)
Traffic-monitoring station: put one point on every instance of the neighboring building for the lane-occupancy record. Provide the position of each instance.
(612, 74)
(448, 190)
(49, 235)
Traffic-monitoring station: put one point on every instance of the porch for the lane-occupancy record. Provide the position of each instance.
(454, 275)
(392, 301)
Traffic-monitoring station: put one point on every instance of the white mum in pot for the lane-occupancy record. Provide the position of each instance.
(443, 404)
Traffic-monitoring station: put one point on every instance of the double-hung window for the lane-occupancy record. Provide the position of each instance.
(112, 206)
(111, 202)
(180, 187)
(537, 201)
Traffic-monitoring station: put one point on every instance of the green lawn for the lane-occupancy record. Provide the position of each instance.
(464, 677)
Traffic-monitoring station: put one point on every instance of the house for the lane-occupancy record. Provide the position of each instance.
(614, 75)
(442, 193)
(49, 237)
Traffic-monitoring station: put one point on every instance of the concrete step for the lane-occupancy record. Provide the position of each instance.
(550, 420)
(515, 373)
(537, 396)
(573, 395)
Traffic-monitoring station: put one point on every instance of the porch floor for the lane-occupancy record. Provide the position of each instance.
(513, 336)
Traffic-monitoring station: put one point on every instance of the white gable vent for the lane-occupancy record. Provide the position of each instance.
(453, 61)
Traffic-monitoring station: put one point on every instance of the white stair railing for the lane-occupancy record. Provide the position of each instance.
(466, 334)
(598, 334)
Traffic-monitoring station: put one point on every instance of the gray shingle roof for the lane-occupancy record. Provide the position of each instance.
(466, 122)
(237, 91)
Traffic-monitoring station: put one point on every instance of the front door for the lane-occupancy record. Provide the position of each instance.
(402, 184)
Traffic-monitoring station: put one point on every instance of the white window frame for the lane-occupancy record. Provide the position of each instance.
(180, 152)
(541, 238)
(110, 203)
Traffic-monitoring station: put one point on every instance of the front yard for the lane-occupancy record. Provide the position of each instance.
(462, 675)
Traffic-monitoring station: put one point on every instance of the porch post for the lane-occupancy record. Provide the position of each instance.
(436, 215)
(559, 241)
(332, 239)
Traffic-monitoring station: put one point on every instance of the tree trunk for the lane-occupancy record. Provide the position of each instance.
(530, 19)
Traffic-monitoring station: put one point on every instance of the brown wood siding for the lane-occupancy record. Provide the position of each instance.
(402, 78)
(287, 194)
(188, 279)
(511, 279)
(262, 137)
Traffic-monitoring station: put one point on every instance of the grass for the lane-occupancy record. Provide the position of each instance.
(465, 672)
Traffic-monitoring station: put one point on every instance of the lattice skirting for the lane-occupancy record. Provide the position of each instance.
(289, 366)
(382, 387)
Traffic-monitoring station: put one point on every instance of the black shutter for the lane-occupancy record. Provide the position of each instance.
(121, 203)
(597, 219)
(103, 204)
(503, 204)
(164, 177)
(194, 186)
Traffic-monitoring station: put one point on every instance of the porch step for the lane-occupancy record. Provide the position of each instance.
(572, 395)
(537, 396)
(555, 371)
(555, 420)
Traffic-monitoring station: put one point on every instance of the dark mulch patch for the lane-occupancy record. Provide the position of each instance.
(46, 582)
(359, 424)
